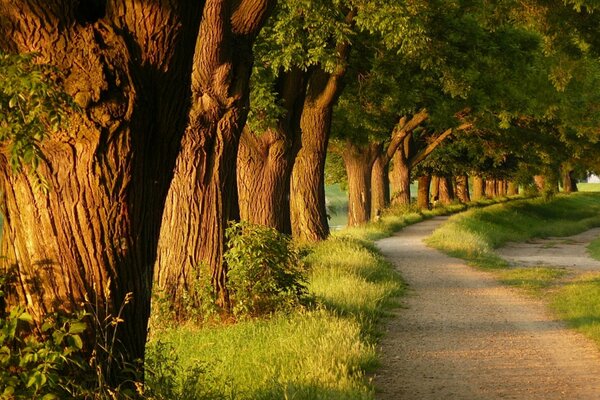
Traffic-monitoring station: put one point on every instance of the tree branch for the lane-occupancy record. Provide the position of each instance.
(401, 131)
(423, 154)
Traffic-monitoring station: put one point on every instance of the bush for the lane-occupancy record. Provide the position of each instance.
(59, 357)
(265, 272)
(41, 365)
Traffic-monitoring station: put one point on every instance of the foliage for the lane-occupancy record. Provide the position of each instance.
(49, 360)
(44, 368)
(32, 104)
(166, 379)
(265, 271)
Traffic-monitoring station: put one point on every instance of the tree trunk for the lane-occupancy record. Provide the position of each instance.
(264, 166)
(435, 188)
(423, 192)
(307, 189)
(401, 178)
(203, 195)
(399, 150)
(478, 187)
(491, 188)
(540, 182)
(569, 182)
(265, 162)
(462, 188)
(380, 186)
(446, 192)
(94, 234)
(501, 188)
(359, 164)
(513, 188)
(307, 197)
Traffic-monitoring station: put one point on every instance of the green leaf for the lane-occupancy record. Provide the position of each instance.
(76, 341)
(77, 327)
(26, 317)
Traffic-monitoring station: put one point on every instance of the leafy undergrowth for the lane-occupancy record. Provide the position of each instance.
(473, 236)
(318, 352)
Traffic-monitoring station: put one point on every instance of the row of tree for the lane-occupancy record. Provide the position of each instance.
(192, 114)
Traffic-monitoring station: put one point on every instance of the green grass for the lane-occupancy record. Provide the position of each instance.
(594, 249)
(321, 353)
(578, 303)
(588, 187)
(310, 355)
(533, 280)
(474, 234)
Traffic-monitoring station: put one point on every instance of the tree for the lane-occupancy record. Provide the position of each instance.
(94, 233)
(203, 195)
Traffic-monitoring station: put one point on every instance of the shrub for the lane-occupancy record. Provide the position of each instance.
(265, 271)
(39, 365)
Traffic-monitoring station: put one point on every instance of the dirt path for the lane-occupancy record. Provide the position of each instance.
(461, 335)
(567, 252)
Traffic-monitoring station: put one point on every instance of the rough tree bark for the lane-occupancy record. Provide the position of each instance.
(380, 185)
(401, 177)
(94, 233)
(423, 192)
(540, 182)
(501, 187)
(359, 165)
(307, 189)
(478, 187)
(434, 187)
(404, 164)
(265, 160)
(513, 188)
(203, 195)
(491, 188)
(446, 191)
(462, 188)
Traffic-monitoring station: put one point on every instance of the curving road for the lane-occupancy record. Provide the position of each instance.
(462, 335)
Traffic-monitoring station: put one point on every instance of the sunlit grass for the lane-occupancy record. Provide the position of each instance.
(311, 355)
(349, 277)
(588, 187)
(320, 353)
(578, 303)
(474, 234)
(533, 280)
(594, 249)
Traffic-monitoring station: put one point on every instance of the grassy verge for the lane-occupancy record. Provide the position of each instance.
(319, 353)
(473, 236)
(594, 249)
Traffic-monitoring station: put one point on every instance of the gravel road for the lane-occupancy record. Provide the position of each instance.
(462, 335)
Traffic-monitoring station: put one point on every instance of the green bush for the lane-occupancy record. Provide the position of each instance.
(39, 365)
(265, 272)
